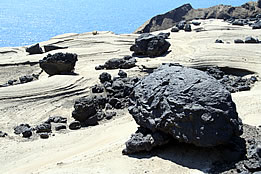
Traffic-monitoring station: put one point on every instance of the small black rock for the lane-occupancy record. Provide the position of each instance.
(219, 41)
(60, 127)
(122, 74)
(3, 134)
(110, 114)
(238, 41)
(174, 29)
(44, 135)
(34, 49)
(75, 125)
(105, 77)
(27, 133)
(97, 89)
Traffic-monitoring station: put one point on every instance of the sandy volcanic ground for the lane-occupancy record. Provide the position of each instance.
(98, 149)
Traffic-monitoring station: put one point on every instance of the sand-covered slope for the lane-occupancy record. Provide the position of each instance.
(98, 149)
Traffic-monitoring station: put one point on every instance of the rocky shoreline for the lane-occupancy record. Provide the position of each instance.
(173, 104)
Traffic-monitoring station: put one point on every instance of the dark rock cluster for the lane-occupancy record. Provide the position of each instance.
(186, 104)
(113, 94)
(232, 83)
(250, 147)
(21, 80)
(43, 129)
(183, 25)
(58, 63)
(123, 63)
(150, 45)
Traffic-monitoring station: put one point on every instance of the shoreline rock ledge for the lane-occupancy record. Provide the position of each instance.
(184, 104)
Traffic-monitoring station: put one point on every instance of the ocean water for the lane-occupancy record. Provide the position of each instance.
(24, 22)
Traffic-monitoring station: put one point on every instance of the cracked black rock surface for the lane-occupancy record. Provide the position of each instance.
(58, 63)
(150, 45)
(187, 104)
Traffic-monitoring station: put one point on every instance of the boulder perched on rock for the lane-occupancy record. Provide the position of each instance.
(105, 77)
(124, 63)
(187, 104)
(34, 49)
(150, 45)
(58, 63)
(144, 140)
(48, 48)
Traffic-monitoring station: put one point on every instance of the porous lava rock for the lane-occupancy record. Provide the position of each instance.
(150, 45)
(58, 63)
(22, 128)
(86, 108)
(144, 140)
(187, 104)
(97, 89)
(34, 49)
(124, 63)
(48, 48)
(233, 83)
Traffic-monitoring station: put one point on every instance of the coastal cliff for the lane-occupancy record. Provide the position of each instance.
(187, 12)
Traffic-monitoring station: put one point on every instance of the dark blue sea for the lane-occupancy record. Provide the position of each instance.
(24, 22)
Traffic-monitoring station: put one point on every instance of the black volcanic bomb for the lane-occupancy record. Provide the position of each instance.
(187, 104)
(58, 63)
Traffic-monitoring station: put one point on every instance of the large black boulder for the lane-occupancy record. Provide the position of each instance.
(58, 63)
(187, 104)
(259, 3)
(34, 49)
(150, 45)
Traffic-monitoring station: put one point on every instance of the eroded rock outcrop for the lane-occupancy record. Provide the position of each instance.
(186, 104)
(150, 45)
(58, 63)
(187, 13)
